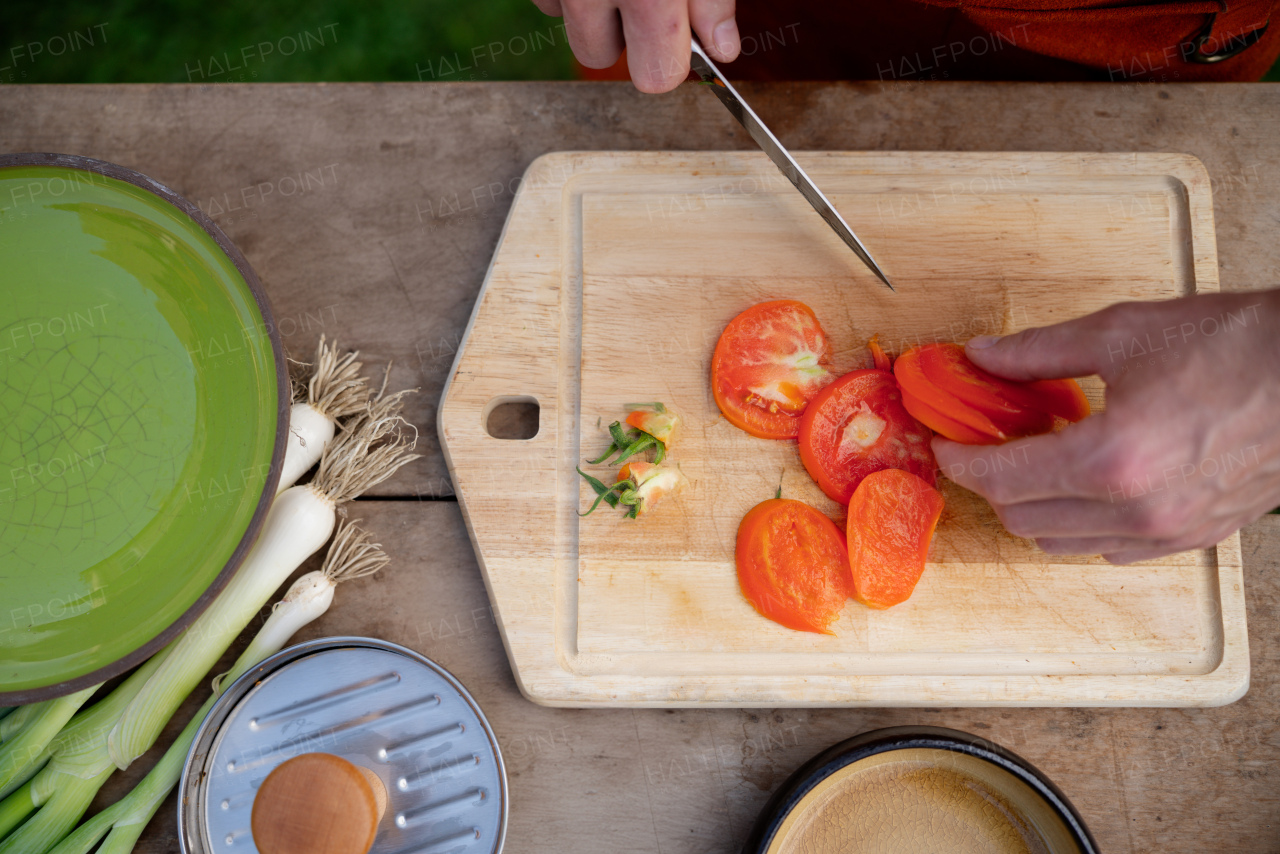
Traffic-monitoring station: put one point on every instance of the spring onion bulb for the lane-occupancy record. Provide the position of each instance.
(334, 391)
(299, 522)
(350, 556)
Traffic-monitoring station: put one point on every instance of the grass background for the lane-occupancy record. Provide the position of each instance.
(173, 41)
(178, 41)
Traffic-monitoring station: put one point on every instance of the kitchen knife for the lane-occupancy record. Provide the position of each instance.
(706, 69)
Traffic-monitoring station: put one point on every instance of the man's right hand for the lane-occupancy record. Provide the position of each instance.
(654, 32)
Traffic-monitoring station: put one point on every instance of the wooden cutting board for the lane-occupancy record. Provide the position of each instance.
(614, 276)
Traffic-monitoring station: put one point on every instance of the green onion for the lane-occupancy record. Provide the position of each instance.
(334, 391)
(350, 556)
(27, 745)
(125, 724)
(77, 753)
(298, 524)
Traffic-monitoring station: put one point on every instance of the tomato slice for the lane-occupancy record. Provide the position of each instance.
(769, 363)
(792, 565)
(1007, 403)
(947, 366)
(1063, 398)
(891, 521)
(944, 426)
(858, 425)
(912, 380)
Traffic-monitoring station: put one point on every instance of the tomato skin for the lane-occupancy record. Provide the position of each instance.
(946, 427)
(948, 366)
(891, 521)
(1008, 404)
(845, 414)
(940, 377)
(768, 364)
(793, 566)
(912, 380)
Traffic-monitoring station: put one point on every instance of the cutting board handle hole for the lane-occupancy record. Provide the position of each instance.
(512, 417)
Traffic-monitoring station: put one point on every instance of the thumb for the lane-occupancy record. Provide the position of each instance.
(1076, 348)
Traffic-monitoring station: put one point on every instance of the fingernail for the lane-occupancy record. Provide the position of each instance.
(982, 342)
(725, 36)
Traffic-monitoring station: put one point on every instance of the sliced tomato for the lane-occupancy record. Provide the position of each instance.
(940, 378)
(912, 380)
(792, 565)
(1005, 402)
(949, 366)
(769, 363)
(1063, 398)
(944, 426)
(890, 525)
(858, 425)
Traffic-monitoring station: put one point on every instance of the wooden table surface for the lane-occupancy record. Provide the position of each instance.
(371, 211)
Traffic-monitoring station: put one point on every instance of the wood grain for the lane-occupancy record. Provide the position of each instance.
(691, 781)
(614, 276)
(365, 258)
(371, 211)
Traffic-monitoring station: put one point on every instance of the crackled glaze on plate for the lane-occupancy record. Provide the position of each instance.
(138, 419)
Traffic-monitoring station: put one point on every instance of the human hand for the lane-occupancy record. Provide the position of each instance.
(1186, 452)
(655, 32)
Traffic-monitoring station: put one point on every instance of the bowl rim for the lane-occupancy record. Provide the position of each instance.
(283, 398)
(851, 750)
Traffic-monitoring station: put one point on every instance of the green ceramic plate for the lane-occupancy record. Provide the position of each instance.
(143, 410)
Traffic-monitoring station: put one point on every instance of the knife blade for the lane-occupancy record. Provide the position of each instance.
(738, 108)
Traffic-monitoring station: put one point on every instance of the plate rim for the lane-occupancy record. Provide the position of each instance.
(283, 402)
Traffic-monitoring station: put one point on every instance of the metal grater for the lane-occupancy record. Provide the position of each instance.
(373, 703)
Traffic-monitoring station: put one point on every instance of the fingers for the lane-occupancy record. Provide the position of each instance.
(657, 36)
(594, 31)
(1076, 348)
(1091, 545)
(1068, 517)
(1055, 465)
(1133, 556)
(717, 29)
(549, 7)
